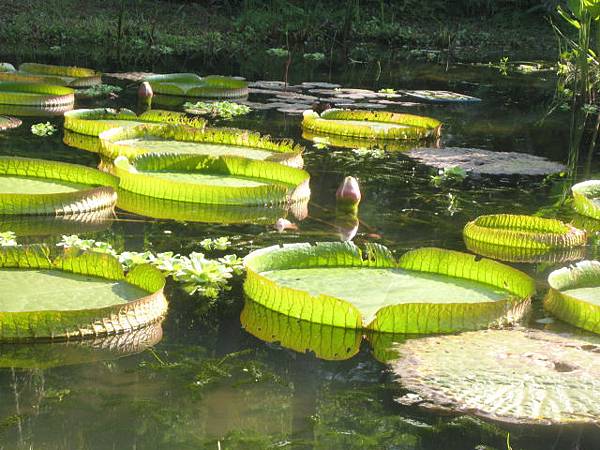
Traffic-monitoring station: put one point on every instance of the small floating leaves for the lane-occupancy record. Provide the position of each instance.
(141, 139)
(222, 110)
(521, 231)
(43, 129)
(517, 376)
(92, 122)
(192, 85)
(586, 198)
(77, 295)
(40, 95)
(371, 125)
(225, 180)
(574, 295)
(428, 290)
(35, 186)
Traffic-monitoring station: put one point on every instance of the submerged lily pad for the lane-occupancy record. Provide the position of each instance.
(7, 123)
(141, 139)
(225, 180)
(518, 376)
(197, 212)
(371, 125)
(32, 94)
(486, 162)
(586, 198)
(44, 355)
(76, 295)
(521, 231)
(441, 96)
(35, 186)
(192, 85)
(574, 295)
(427, 291)
(95, 121)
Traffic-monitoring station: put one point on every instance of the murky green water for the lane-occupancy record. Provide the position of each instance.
(210, 384)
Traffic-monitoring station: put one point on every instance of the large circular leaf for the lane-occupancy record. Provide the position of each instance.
(586, 198)
(336, 140)
(371, 125)
(522, 376)
(527, 232)
(33, 94)
(224, 180)
(94, 121)
(525, 255)
(428, 290)
(35, 186)
(141, 139)
(71, 76)
(192, 85)
(574, 295)
(74, 296)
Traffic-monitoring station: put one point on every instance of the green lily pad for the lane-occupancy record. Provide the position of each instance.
(32, 94)
(44, 355)
(517, 376)
(35, 111)
(586, 198)
(35, 186)
(7, 123)
(75, 295)
(224, 180)
(192, 85)
(82, 141)
(71, 76)
(574, 295)
(93, 122)
(334, 140)
(526, 232)
(525, 255)
(427, 291)
(214, 142)
(440, 96)
(371, 125)
(159, 208)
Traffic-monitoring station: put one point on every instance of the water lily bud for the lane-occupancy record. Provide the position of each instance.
(283, 224)
(348, 196)
(145, 90)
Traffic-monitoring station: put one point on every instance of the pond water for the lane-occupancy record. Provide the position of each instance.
(210, 384)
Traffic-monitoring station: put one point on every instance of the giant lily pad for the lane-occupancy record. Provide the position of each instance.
(92, 122)
(192, 85)
(35, 111)
(525, 255)
(82, 141)
(429, 290)
(70, 76)
(334, 140)
(224, 180)
(371, 125)
(75, 295)
(40, 95)
(440, 96)
(134, 141)
(519, 376)
(521, 231)
(586, 198)
(574, 295)
(44, 355)
(159, 208)
(486, 162)
(35, 186)
(7, 122)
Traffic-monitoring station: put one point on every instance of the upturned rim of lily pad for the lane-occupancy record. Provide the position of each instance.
(193, 85)
(395, 318)
(82, 323)
(48, 96)
(584, 194)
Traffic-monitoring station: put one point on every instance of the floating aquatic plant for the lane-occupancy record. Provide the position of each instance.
(43, 129)
(221, 110)
(586, 197)
(192, 85)
(100, 90)
(35, 94)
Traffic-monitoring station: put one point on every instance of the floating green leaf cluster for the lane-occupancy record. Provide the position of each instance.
(43, 129)
(221, 110)
(100, 90)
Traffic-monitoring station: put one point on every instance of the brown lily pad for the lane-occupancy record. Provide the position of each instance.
(7, 122)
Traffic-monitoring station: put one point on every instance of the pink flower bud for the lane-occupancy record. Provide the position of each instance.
(349, 192)
(145, 90)
(283, 224)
